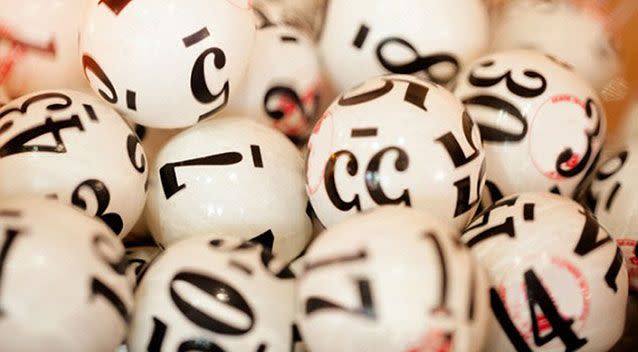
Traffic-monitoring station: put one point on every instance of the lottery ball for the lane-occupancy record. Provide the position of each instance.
(139, 256)
(212, 295)
(558, 281)
(72, 147)
(611, 197)
(230, 177)
(63, 281)
(39, 46)
(167, 64)
(283, 82)
(575, 34)
(393, 279)
(542, 125)
(363, 38)
(395, 140)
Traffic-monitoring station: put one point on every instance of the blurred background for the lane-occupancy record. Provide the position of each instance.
(621, 20)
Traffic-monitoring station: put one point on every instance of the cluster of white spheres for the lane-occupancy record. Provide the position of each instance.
(174, 177)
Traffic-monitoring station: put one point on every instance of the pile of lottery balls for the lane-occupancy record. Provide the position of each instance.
(277, 176)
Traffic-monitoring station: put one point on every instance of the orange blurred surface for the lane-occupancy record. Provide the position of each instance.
(626, 34)
(623, 24)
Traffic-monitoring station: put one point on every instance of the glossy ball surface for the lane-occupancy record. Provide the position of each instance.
(214, 295)
(63, 280)
(542, 125)
(364, 38)
(558, 281)
(72, 147)
(167, 64)
(230, 177)
(395, 140)
(393, 279)
(283, 83)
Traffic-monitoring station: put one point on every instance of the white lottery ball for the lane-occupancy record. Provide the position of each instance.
(283, 82)
(393, 279)
(572, 33)
(63, 281)
(558, 280)
(542, 125)
(230, 176)
(72, 147)
(39, 45)
(433, 39)
(167, 63)
(214, 295)
(395, 140)
(612, 198)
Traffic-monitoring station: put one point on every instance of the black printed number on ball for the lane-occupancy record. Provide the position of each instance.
(215, 324)
(537, 297)
(491, 133)
(168, 175)
(117, 264)
(459, 159)
(279, 92)
(210, 286)
(10, 237)
(132, 146)
(199, 88)
(419, 64)
(373, 181)
(66, 102)
(103, 199)
(90, 65)
(589, 242)
(506, 227)
(18, 144)
(592, 200)
(593, 114)
(415, 94)
(316, 304)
